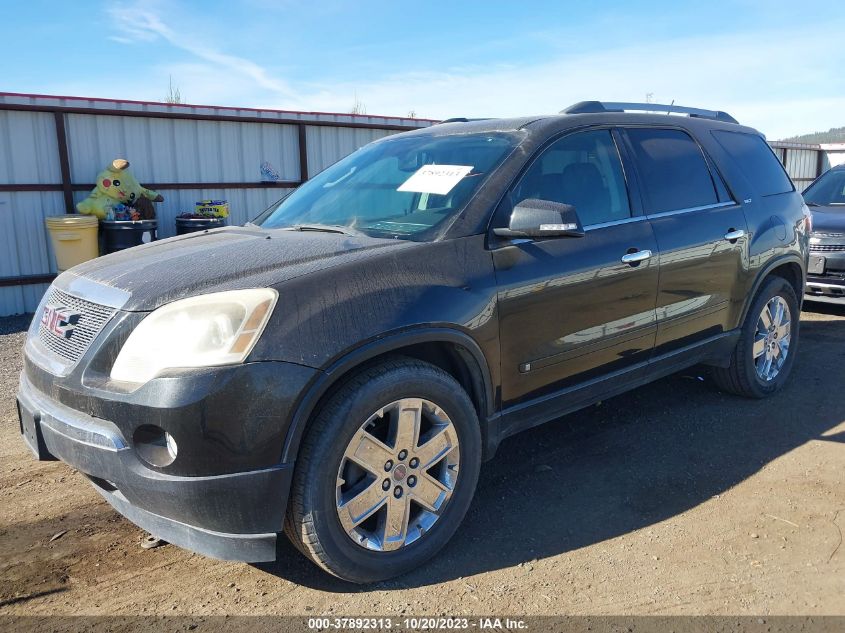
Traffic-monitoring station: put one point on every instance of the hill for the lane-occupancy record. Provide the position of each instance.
(833, 135)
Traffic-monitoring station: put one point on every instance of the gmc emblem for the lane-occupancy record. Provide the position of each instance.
(59, 320)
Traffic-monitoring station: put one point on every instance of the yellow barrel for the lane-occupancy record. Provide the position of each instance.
(74, 239)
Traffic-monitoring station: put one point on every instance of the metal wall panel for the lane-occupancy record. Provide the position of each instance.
(181, 150)
(28, 150)
(801, 165)
(187, 109)
(24, 246)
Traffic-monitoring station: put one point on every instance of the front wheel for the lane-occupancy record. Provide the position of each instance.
(765, 353)
(386, 472)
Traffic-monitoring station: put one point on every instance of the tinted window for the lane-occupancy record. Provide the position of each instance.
(583, 170)
(721, 188)
(829, 189)
(673, 171)
(757, 160)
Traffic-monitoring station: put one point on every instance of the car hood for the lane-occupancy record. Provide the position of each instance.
(828, 219)
(148, 276)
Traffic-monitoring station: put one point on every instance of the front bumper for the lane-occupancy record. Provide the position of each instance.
(827, 289)
(229, 516)
(826, 269)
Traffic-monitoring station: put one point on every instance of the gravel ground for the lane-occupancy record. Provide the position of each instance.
(673, 499)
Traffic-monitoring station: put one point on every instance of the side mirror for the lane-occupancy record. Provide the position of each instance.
(542, 218)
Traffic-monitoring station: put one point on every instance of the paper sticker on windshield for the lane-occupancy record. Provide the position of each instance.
(437, 179)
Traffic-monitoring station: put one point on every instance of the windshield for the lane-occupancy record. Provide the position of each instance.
(402, 187)
(829, 189)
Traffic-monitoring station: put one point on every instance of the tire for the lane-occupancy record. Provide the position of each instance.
(742, 377)
(313, 521)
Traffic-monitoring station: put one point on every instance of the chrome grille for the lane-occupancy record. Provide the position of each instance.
(827, 248)
(92, 318)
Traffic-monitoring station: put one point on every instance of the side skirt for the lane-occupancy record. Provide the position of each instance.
(712, 351)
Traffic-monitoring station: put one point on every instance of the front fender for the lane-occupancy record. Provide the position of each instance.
(464, 344)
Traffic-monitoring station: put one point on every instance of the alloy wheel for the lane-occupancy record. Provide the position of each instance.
(771, 340)
(397, 474)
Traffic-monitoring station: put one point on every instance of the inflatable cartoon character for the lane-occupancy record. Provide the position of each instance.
(115, 185)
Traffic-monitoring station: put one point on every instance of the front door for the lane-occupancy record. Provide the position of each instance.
(570, 308)
(701, 234)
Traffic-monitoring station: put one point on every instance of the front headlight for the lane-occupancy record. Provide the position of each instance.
(204, 331)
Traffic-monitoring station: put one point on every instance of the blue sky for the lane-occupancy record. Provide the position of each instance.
(779, 66)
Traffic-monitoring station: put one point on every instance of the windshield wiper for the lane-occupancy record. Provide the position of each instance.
(813, 204)
(327, 228)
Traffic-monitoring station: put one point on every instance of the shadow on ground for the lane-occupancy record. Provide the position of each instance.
(625, 464)
(12, 325)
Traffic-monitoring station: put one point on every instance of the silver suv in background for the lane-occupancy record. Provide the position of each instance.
(826, 268)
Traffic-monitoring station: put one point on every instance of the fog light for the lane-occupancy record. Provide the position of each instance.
(154, 445)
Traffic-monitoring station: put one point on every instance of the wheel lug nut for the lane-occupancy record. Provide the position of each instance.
(414, 463)
(403, 454)
(397, 492)
(388, 465)
(385, 485)
(412, 481)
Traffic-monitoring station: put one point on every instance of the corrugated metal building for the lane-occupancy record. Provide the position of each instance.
(51, 149)
(804, 162)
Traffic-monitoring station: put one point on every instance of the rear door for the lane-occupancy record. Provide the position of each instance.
(570, 308)
(701, 233)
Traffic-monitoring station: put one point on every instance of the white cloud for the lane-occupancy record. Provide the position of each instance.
(770, 80)
(138, 22)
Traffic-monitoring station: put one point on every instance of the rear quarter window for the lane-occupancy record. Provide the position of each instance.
(757, 161)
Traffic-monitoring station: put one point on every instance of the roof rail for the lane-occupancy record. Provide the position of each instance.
(588, 107)
(461, 119)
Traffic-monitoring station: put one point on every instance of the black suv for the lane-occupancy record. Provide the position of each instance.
(339, 368)
(826, 270)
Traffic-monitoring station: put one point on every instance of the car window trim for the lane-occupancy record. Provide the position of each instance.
(704, 207)
(604, 225)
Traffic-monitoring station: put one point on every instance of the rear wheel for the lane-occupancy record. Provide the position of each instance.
(386, 472)
(764, 355)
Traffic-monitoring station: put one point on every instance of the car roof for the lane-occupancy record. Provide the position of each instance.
(544, 125)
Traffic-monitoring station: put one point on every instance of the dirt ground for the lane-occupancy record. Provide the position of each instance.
(673, 499)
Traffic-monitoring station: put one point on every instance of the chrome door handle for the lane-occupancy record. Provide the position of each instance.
(636, 257)
(733, 236)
